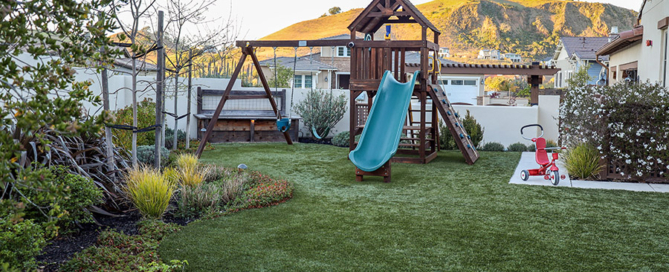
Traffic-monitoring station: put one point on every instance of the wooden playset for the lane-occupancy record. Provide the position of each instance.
(369, 61)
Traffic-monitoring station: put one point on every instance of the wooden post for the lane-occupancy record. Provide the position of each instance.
(252, 131)
(534, 81)
(160, 77)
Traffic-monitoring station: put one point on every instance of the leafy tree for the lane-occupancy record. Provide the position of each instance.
(321, 110)
(501, 84)
(34, 99)
(283, 77)
(334, 10)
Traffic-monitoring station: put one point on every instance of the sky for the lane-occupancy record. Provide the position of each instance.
(260, 18)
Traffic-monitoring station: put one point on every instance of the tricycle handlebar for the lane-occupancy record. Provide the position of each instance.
(533, 125)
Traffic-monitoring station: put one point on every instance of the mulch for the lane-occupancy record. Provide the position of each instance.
(61, 249)
(314, 141)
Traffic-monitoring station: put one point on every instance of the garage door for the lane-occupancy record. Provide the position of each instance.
(461, 90)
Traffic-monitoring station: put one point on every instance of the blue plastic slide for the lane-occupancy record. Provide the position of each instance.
(385, 122)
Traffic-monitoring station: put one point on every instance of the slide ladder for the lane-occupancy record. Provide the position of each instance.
(452, 120)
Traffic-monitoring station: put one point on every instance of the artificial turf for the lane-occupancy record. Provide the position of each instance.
(445, 215)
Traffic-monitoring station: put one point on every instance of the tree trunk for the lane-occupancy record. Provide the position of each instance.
(190, 77)
(176, 108)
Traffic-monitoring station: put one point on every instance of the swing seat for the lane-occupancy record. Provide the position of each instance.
(320, 137)
(283, 124)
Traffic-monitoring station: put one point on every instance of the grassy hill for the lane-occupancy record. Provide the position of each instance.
(528, 27)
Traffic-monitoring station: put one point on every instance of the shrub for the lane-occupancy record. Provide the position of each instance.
(265, 191)
(517, 147)
(145, 155)
(342, 139)
(583, 161)
(473, 128)
(627, 124)
(195, 201)
(156, 229)
(21, 242)
(171, 175)
(80, 192)
(532, 148)
(146, 117)
(210, 197)
(149, 191)
(493, 146)
(119, 252)
(190, 172)
(169, 137)
(321, 110)
(551, 143)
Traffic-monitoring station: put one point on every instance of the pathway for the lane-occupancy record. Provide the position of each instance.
(527, 162)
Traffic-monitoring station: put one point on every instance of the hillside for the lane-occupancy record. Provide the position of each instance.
(527, 27)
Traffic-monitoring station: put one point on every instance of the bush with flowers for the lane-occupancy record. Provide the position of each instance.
(627, 123)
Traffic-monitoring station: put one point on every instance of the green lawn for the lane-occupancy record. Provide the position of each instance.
(445, 215)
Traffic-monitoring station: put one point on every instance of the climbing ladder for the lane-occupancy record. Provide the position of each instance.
(452, 120)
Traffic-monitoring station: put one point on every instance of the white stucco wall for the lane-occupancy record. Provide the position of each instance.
(651, 61)
(502, 124)
(549, 113)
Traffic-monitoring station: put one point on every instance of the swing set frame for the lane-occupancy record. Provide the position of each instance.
(248, 49)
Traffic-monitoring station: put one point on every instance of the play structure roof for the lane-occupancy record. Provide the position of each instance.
(380, 12)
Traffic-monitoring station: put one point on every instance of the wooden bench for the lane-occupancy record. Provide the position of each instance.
(246, 117)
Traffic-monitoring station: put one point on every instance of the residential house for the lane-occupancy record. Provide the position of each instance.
(643, 52)
(572, 53)
(309, 71)
(624, 51)
(513, 57)
(444, 52)
(489, 54)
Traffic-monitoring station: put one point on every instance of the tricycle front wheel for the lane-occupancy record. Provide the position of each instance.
(555, 177)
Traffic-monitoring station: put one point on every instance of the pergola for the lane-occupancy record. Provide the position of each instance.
(534, 72)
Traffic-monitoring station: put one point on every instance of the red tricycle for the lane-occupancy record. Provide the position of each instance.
(547, 168)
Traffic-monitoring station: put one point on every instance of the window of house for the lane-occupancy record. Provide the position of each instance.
(307, 82)
(297, 81)
(470, 82)
(457, 82)
(343, 51)
(443, 82)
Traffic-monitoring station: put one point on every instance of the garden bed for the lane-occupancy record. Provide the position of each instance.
(64, 247)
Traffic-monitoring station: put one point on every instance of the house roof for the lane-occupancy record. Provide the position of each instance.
(379, 13)
(414, 57)
(584, 48)
(141, 65)
(341, 37)
(624, 39)
(304, 63)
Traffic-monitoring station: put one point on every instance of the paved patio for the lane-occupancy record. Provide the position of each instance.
(527, 162)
